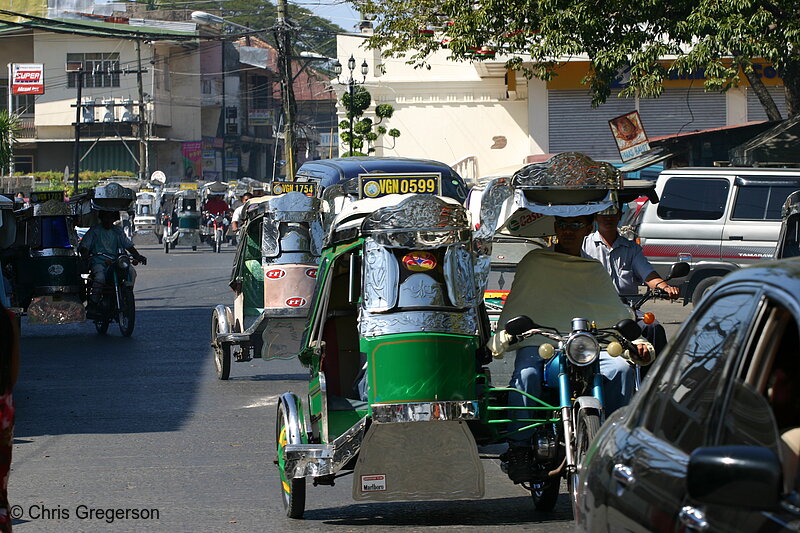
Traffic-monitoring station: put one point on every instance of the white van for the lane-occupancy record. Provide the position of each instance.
(716, 219)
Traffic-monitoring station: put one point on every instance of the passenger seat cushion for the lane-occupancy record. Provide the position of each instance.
(790, 450)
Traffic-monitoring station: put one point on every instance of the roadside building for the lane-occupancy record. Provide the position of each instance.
(484, 119)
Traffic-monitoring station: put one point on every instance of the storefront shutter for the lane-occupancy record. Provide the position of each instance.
(576, 126)
(755, 111)
(682, 111)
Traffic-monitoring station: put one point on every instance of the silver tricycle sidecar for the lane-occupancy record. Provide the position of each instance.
(273, 277)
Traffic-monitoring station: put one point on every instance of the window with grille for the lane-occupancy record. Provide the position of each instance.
(101, 69)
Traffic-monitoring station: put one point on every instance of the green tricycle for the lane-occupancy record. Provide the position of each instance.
(400, 393)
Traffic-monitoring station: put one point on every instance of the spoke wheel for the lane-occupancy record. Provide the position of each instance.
(127, 315)
(586, 428)
(293, 490)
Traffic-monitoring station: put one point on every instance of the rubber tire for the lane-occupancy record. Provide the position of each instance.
(294, 501)
(586, 428)
(222, 354)
(166, 246)
(160, 238)
(127, 315)
(545, 498)
(194, 248)
(702, 286)
(101, 326)
(218, 244)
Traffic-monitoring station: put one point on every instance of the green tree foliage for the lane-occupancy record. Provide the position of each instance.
(314, 34)
(631, 36)
(366, 132)
(9, 129)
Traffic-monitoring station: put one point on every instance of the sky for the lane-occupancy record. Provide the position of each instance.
(337, 11)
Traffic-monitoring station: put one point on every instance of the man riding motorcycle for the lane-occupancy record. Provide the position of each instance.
(552, 287)
(628, 267)
(104, 238)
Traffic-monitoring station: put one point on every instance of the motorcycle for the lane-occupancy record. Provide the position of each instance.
(116, 302)
(214, 228)
(567, 417)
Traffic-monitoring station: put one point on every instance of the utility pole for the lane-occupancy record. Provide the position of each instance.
(76, 153)
(283, 37)
(144, 164)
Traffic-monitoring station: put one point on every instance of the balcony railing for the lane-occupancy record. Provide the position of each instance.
(27, 128)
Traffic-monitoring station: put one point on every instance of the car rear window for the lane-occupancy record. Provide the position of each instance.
(761, 202)
(693, 199)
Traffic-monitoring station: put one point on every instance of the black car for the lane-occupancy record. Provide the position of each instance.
(710, 443)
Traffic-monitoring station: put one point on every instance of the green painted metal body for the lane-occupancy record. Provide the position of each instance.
(420, 367)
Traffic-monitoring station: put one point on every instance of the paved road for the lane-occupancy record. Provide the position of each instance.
(106, 423)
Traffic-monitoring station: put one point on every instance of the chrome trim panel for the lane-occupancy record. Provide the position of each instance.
(459, 272)
(568, 170)
(317, 460)
(386, 413)
(496, 193)
(421, 239)
(381, 274)
(54, 252)
(458, 323)
(418, 213)
(420, 290)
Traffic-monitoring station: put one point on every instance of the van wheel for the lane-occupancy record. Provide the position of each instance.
(702, 288)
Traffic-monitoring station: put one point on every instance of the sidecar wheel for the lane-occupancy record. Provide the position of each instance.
(101, 326)
(586, 428)
(292, 490)
(127, 315)
(545, 494)
(222, 353)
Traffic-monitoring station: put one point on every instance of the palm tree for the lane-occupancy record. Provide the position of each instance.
(9, 129)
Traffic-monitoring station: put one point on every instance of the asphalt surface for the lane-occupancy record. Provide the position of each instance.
(107, 424)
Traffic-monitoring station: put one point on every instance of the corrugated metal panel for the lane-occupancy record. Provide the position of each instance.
(110, 156)
(682, 111)
(755, 111)
(576, 126)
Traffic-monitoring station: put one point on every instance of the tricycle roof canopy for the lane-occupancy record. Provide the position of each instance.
(329, 172)
(112, 197)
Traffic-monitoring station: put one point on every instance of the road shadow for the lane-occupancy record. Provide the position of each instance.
(508, 511)
(74, 381)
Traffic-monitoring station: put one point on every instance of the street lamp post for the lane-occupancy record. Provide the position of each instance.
(351, 89)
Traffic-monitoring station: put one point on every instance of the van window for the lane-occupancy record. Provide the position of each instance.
(693, 199)
(761, 202)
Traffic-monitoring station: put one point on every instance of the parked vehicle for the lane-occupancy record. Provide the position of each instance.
(789, 238)
(716, 219)
(710, 443)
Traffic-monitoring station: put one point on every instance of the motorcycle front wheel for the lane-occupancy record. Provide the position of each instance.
(127, 315)
(293, 490)
(586, 427)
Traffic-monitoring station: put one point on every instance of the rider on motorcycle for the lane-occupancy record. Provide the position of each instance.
(552, 287)
(104, 238)
(627, 266)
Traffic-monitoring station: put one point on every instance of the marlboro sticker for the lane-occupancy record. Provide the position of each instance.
(27, 78)
(373, 483)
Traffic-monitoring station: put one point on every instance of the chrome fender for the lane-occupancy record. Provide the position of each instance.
(584, 403)
(223, 318)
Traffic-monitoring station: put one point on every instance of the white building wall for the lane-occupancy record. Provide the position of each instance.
(446, 113)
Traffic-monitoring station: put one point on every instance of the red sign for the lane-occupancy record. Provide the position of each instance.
(311, 273)
(276, 273)
(27, 78)
(419, 261)
(297, 301)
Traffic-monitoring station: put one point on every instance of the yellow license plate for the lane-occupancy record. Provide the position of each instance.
(282, 187)
(377, 185)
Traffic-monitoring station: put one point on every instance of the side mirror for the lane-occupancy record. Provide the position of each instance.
(628, 329)
(736, 477)
(519, 325)
(679, 270)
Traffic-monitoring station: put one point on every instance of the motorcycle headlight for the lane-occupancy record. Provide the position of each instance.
(123, 262)
(582, 349)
